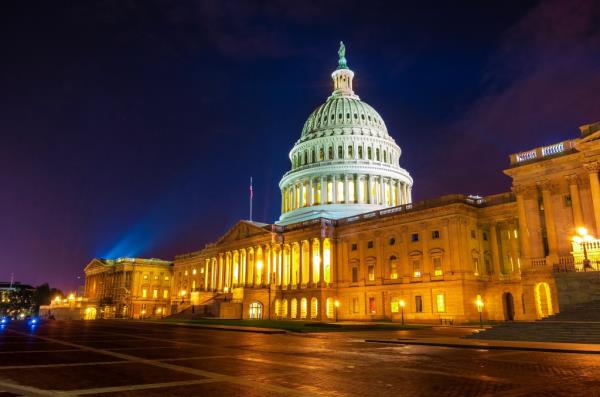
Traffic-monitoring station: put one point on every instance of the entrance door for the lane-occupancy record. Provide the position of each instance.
(509, 306)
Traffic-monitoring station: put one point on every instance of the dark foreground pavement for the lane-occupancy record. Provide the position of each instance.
(112, 358)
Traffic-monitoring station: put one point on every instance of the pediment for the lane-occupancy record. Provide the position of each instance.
(588, 140)
(243, 230)
(95, 264)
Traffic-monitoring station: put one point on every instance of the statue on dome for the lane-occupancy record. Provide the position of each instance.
(342, 54)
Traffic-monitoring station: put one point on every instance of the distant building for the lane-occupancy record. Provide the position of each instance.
(16, 298)
(351, 244)
(127, 288)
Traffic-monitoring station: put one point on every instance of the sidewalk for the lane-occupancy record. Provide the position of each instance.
(220, 327)
(550, 347)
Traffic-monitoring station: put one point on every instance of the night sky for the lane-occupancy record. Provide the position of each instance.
(131, 128)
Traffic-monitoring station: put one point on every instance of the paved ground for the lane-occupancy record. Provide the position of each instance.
(111, 358)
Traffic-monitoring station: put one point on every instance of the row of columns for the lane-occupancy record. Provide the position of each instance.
(346, 189)
(281, 265)
(546, 189)
(349, 152)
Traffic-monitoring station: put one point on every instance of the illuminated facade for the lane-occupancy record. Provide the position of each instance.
(350, 243)
(127, 288)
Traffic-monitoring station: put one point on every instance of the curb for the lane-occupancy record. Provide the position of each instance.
(486, 347)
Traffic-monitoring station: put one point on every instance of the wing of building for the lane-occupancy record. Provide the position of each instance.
(350, 243)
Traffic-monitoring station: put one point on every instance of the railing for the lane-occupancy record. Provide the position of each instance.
(538, 262)
(570, 264)
(541, 152)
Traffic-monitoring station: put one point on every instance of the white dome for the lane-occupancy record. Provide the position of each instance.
(345, 162)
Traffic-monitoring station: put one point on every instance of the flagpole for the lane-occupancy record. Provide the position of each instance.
(251, 195)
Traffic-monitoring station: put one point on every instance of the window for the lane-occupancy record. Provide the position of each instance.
(144, 292)
(484, 236)
(255, 311)
(156, 277)
(437, 266)
(371, 272)
(384, 156)
(314, 307)
(418, 304)
(154, 294)
(185, 273)
(568, 201)
(377, 154)
(473, 234)
(435, 235)
(372, 305)
(355, 274)
(369, 153)
(350, 151)
(370, 244)
(416, 265)
(440, 303)
(393, 267)
(360, 152)
(321, 154)
(194, 272)
(165, 294)
(414, 237)
(355, 305)
(353, 247)
(476, 266)
(340, 152)
(330, 152)
(395, 305)
(306, 157)
(392, 241)
(145, 277)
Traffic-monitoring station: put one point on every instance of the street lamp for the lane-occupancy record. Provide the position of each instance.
(583, 238)
(402, 304)
(479, 304)
(337, 305)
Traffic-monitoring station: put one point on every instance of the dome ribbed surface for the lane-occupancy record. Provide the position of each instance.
(343, 112)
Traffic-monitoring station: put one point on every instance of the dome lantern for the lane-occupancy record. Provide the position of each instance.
(342, 76)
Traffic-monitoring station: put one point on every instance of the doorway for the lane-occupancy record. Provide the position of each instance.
(509, 306)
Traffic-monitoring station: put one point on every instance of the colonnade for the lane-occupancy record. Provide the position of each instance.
(345, 189)
(300, 264)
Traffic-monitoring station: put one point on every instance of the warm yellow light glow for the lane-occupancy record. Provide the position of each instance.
(402, 303)
(582, 231)
(479, 303)
(183, 292)
(57, 299)
(587, 238)
(337, 303)
(577, 239)
(158, 311)
(71, 296)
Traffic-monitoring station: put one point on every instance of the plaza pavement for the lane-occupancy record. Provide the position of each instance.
(124, 358)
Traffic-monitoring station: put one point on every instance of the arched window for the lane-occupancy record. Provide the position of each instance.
(312, 157)
(369, 153)
(377, 154)
(306, 157)
(314, 308)
(330, 153)
(303, 308)
(384, 156)
(321, 154)
(350, 151)
(340, 152)
(256, 311)
(277, 308)
(393, 267)
(360, 152)
(284, 308)
(294, 308)
(395, 304)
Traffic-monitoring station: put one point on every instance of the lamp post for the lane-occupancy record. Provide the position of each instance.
(582, 238)
(479, 304)
(337, 305)
(402, 304)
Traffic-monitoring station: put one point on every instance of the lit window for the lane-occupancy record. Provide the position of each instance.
(372, 305)
(440, 303)
(437, 266)
(185, 273)
(166, 278)
(154, 294)
(476, 266)
(156, 277)
(165, 293)
(393, 267)
(145, 277)
(144, 293)
(371, 272)
(314, 307)
(395, 305)
(416, 265)
(194, 272)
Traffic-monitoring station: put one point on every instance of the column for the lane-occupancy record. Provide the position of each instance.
(370, 197)
(514, 245)
(547, 188)
(575, 201)
(408, 194)
(323, 190)
(592, 169)
(523, 228)
(494, 249)
(206, 274)
(398, 194)
(300, 259)
(321, 262)
(311, 199)
(346, 189)
(334, 188)
(310, 262)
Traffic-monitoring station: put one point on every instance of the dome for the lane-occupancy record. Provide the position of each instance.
(345, 162)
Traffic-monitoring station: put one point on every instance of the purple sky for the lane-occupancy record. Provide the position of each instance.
(132, 128)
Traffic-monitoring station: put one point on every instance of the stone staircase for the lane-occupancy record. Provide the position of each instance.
(577, 324)
(207, 308)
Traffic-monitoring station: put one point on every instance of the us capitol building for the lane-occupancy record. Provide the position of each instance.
(350, 243)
